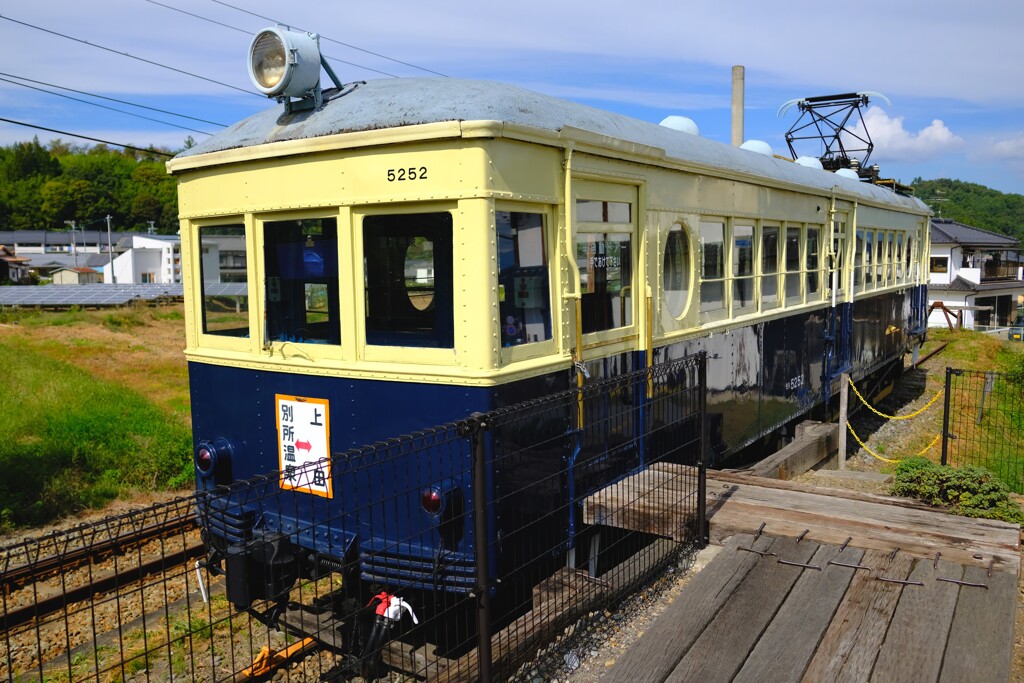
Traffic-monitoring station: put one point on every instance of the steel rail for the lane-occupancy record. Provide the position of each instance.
(35, 570)
(106, 582)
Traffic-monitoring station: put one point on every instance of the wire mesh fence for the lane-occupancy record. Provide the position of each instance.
(450, 554)
(984, 423)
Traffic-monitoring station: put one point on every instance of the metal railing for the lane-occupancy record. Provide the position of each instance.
(497, 533)
(983, 423)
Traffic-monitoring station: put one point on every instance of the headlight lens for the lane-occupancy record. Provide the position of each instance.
(268, 59)
(284, 63)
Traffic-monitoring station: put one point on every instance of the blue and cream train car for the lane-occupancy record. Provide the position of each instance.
(416, 250)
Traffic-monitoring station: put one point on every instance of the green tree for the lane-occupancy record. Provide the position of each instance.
(974, 204)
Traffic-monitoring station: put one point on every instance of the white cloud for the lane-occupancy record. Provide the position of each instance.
(893, 142)
(1009, 149)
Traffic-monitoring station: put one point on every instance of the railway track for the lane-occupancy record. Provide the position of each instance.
(42, 566)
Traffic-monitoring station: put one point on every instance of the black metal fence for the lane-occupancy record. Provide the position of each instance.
(451, 554)
(983, 423)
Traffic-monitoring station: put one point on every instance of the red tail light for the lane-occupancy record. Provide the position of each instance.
(432, 501)
(204, 459)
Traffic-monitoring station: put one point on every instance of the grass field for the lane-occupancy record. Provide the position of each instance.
(96, 408)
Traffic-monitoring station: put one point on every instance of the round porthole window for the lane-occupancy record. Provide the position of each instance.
(676, 271)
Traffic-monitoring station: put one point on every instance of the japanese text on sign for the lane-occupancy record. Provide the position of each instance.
(303, 437)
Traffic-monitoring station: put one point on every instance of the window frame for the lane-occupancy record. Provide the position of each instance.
(780, 230)
(544, 347)
(255, 250)
(713, 315)
(405, 355)
(690, 277)
(204, 340)
(585, 190)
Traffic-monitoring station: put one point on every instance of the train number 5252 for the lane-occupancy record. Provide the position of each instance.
(411, 173)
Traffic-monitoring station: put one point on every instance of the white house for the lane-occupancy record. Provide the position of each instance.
(146, 259)
(976, 275)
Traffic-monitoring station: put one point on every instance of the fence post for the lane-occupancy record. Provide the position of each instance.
(945, 415)
(702, 467)
(483, 550)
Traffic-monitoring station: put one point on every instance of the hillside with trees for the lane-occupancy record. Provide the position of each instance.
(41, 187)
(974, 205)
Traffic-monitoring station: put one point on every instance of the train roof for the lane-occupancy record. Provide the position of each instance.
(400, 102)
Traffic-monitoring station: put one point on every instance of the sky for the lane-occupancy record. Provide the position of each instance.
(951, 71)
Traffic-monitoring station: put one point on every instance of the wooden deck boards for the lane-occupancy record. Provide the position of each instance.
(748, 617)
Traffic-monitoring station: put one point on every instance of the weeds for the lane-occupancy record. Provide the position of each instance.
(71, 441)
(969, 491)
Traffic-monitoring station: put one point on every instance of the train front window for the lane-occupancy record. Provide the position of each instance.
(224, 276)
(301, 266)
(408, 279)
(524, 300)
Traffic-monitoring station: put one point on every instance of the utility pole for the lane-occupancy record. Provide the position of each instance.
(74, 249)
(110, 254)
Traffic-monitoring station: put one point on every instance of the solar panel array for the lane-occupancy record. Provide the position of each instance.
(86, 295)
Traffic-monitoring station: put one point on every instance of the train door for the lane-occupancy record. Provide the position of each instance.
(839, 330)
(606, 246)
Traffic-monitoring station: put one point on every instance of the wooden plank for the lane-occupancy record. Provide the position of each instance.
(655, 655)
(564, 585)
(879, 514)
(848, 650)
(825, 529)
(787, 645)
(916, 639)
(957, 537)
(659, 502)
(980, 642)
(744, 617)
(724, 477)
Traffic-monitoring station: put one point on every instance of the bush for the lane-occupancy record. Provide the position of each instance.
(969, 491)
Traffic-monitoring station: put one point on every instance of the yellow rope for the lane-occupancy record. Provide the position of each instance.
(889, 460)
(894, 417)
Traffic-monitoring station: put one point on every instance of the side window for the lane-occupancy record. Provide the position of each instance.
(224, 276)
(899, 257)
(858, 262)
(769, 266)
(524, 299)
(793, 267)
(743, 299)
(909, 263)
(676, 270)
(869, 250)
(408, 280)
(604, 256)
(712, 286)
(301, 265)
(813, 251)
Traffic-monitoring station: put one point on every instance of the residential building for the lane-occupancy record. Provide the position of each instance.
(76, 276)
(13, 268)
(976, 275)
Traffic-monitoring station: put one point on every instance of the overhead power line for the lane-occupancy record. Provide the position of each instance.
(249, 33)
(113, 99)
(131, 56)
(103, 106)
(86, 137)
(336, 42)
